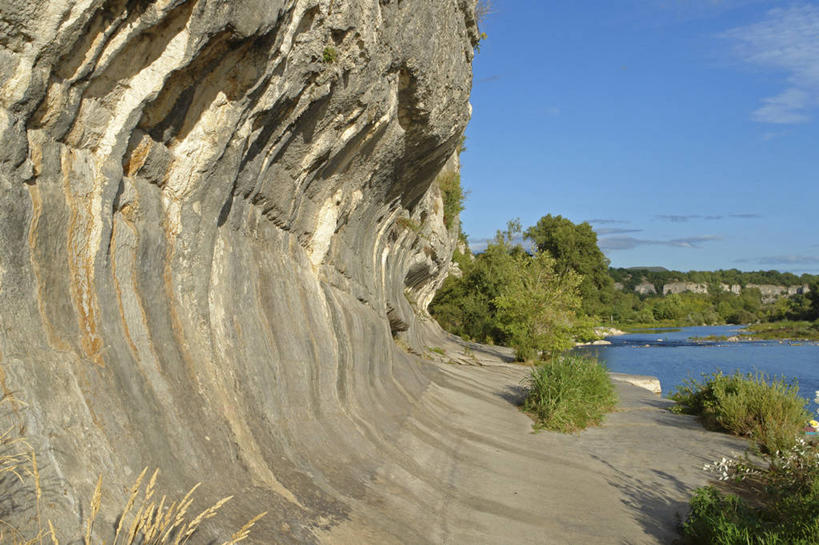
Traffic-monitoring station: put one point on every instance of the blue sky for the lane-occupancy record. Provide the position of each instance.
(685, 131)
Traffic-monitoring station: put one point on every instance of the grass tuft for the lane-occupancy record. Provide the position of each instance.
(569, 393)
(767, 410)
(143, 520)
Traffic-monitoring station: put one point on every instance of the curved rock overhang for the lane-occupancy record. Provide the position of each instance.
(216, 216)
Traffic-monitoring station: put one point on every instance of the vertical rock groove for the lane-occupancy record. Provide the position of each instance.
(203, 263)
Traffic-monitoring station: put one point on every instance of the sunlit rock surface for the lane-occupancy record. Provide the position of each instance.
(207, 235)
(219, 230)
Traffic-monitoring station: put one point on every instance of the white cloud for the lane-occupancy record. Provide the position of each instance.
(627, 243)
(786, 40)
(782, 260)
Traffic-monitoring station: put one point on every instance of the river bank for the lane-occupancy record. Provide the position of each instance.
(675, 355)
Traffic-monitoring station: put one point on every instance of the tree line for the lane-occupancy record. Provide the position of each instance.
(542, 298)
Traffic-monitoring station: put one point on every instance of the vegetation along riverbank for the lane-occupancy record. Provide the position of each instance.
(577, 291)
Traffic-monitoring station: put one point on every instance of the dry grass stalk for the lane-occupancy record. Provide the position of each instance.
(143, 520)
(244, 531)
(155, 522)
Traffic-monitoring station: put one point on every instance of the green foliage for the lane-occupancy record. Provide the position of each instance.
(786, 330)
(784, 510)
(330, 55)
(813, 300)
(536, 306)
(768, 411)
(505, 296)
(482, 10)
(453, 195)
(408, 224)
(569, 393)
(717, 306)
(574, 247)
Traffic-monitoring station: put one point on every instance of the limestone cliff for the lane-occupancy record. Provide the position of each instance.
(216, 215)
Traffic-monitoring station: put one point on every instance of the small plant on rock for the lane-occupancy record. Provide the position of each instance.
(330, 55)
(783, 510)
(569, 393)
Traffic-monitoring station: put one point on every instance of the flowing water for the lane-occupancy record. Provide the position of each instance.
(671, 356)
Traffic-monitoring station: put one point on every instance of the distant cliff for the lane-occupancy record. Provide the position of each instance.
(216, 217)
(771, 284)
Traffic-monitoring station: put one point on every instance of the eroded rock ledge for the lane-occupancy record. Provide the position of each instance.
(215, 215)
(215, 219)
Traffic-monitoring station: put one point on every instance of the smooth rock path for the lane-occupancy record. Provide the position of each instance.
(625, 482)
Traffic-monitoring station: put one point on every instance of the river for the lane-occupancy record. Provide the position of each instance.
(671, 356)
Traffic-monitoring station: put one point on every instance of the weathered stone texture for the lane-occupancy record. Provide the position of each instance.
(204, 242)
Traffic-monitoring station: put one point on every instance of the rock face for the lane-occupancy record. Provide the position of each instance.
(682, 287)
(645, 288)
(216, 217)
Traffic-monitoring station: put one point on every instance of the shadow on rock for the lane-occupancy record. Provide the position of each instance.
(514, 395)
(652, 502)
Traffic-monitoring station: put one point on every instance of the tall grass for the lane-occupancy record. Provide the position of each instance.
(569, 393)
(767, 410)
(146, 518)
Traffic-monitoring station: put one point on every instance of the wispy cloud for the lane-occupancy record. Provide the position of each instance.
(627, 243)
(488, 79)
(602, 231)
(682, 218)
(605, 221)
(786, 40)
(781, 260)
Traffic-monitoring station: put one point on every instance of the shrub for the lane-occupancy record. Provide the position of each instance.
(785, 510)
(453, 195)
(537, 306)
(506, 296)
(409, 224)
(769, 412)
(569, 393)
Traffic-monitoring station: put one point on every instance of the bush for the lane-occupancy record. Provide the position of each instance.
(785, 510)
(506, 296)
(453, 196)
(569, 393)
(769, 412)
(536, 307)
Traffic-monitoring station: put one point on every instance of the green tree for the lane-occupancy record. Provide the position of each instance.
(537, 306)
(574, 247)
(506, 296)
(813, 297)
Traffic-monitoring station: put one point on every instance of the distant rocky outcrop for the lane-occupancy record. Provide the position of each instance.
(645, 288)
(769, 292)
(683, 287)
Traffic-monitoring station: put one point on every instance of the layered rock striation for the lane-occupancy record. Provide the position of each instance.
(216, 218)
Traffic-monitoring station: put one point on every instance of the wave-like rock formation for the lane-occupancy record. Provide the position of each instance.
(219, 230)
(215, 215)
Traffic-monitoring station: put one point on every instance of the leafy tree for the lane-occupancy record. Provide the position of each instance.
(506, 296)
(813, 297)
(574, 247)
(537, 306)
